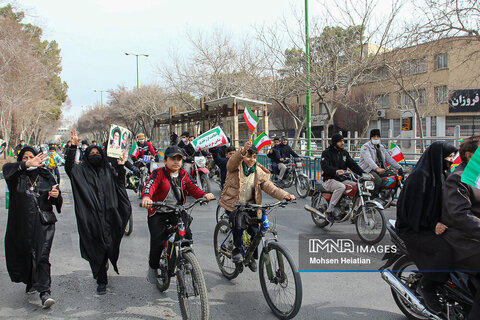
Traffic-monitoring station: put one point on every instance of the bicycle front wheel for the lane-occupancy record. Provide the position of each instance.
(280, 281)
(192, 290)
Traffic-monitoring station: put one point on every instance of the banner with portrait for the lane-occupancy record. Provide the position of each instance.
(118, 141)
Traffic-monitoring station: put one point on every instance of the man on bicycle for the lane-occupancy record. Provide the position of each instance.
(245, 181)
(169, 184)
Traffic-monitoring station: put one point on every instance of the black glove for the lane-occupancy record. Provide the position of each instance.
(400, 172)
(136, 171)
(157, 159)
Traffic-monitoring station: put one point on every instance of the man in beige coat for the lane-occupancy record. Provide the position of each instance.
(244, 183)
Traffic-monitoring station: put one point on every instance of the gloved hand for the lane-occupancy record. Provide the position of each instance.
(156, 158)
(400, 172)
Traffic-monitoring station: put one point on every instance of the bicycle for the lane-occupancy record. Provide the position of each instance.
(278, 272)
(179, 260)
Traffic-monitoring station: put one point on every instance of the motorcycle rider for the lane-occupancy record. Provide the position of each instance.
(184, 139)
(335, 161)
(461, 216)
(374, 159)
(144, 148)
(169, 184)
(273, 154)
(245, 181)
(284, 153)
(419, 209)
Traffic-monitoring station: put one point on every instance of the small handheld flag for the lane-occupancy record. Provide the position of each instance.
(262, 141)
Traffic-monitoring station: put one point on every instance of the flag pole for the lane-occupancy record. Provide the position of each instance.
(251, 137)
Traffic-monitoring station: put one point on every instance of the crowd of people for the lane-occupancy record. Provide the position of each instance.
(438, 216)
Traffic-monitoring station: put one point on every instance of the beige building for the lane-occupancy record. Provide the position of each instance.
(442, 76)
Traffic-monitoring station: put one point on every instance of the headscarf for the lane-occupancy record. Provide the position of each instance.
(25, 149)
(419, 205)
(104, 162)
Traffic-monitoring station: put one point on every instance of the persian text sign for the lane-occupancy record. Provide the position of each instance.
(210, 139)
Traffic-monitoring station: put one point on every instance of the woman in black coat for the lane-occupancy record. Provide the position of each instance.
(31, 222)
(419, 210)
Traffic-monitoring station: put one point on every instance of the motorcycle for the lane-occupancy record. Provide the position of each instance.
(391, 185)
(199, 172)
(146, 166)
(294, 174)
(355, 206)
(455, 296)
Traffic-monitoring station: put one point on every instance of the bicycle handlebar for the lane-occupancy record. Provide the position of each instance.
(176, 207)
(252, 206)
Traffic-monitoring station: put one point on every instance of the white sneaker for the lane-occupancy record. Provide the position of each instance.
(152, 275)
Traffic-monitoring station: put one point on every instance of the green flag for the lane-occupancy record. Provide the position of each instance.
(471, 174)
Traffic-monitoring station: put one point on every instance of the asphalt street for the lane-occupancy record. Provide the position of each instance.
(326, 295)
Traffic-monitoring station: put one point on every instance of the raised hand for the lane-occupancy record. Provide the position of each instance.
(123, 158)
(74, 139)
(37, 161)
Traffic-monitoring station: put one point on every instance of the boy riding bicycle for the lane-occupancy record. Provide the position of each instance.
(169, 184)
(244, 183)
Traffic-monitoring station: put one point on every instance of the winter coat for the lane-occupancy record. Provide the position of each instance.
(461, 214)
(236, 178)
(158, 186)
(368, 155)
(333, 160)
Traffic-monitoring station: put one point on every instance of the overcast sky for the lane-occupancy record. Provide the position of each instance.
(95, 34)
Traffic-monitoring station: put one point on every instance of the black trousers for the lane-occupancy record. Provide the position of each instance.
(102, 274)
(158, 226)
(430, 253)
(238, 232)
(40, 278)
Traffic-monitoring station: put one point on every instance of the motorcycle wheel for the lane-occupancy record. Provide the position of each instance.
(205, 183)
(404, 270)
(320, 205)
(302, 185)
(373, 230)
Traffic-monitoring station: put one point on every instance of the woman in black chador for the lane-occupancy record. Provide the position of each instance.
(102, 208)
(31, 222)
(419, 210)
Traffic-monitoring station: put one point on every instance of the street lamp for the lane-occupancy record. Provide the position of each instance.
(136, 55)
(309, 102)
(101, 95)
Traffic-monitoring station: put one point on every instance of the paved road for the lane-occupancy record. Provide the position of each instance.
(129, 296)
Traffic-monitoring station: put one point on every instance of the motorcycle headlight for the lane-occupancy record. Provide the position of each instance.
(369, 185)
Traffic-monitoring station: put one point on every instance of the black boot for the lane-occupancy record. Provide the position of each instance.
(428, 291)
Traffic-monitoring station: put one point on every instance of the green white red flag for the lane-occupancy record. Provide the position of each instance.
(471, 174)
(250, 118)
(133, 150)
(395, 152)
(456, 161)
(262, 141)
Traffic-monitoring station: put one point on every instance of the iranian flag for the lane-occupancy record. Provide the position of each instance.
(133, 150)
(471, 174)
(262, 141)
(250, 118)
(12, 152)
(456, 161)
(395, 152)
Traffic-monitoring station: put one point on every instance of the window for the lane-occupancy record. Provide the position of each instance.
(414, 66)
(441, 61)
(441, 94)
(383, 100)
(420, 95)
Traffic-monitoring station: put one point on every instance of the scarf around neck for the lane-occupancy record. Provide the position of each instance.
(247, 170)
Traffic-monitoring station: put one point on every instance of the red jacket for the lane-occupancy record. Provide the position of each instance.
(158, 186)
(142, 151)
